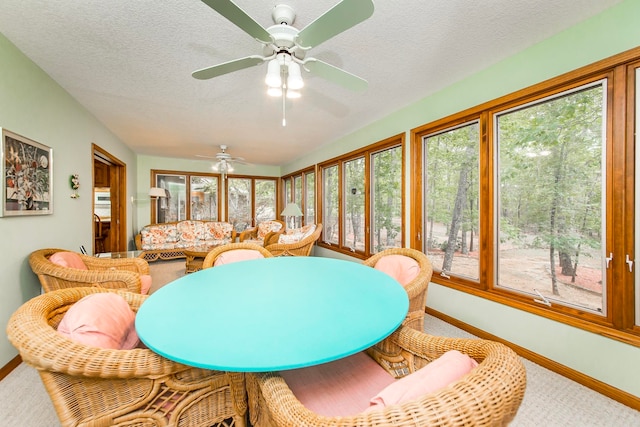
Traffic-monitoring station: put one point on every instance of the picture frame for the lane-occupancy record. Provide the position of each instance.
(27, 170)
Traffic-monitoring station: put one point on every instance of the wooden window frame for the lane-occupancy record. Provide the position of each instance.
(366, 152)
(619, 70)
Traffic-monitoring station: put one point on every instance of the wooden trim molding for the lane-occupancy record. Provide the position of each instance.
(13, 364)
(605, 389)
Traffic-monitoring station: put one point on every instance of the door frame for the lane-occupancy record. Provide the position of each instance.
(118, 186)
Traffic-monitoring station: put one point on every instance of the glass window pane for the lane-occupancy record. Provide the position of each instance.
(287, 191)
(310, 198)
(386, 204)
(451, 200)
(551, 198)
(330, 205)
(265, 200)
(297, 190)
(204, 198)
(172, 208)
(239, 201)
(353, 230)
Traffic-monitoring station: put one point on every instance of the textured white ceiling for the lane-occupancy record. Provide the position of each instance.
(130, 63)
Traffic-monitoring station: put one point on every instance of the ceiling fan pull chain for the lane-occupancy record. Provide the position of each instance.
(284, 104)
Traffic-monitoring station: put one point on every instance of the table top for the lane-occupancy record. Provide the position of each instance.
(272, 314)
(125, 254)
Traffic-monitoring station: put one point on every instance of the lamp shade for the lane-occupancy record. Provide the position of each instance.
(157, 192)
(291, 209)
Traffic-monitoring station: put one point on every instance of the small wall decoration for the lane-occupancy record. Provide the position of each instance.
(28, 175)
(74, 182)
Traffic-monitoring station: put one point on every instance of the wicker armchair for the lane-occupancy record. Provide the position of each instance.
(301, 248)
(101, 387)
(256, 236)
(211, 257)
(489, 395)
(416, 288)
(121, 273)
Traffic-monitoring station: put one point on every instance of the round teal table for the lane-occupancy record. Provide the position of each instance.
(271, 314)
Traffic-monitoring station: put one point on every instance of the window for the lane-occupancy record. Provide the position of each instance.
(303, 184)
(362, 204)
(529, 199)
(204, 198)
(202, 202)
(451, 200)
(250, 200)
(550, 199)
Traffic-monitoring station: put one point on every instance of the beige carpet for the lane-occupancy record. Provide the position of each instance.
(550, 399)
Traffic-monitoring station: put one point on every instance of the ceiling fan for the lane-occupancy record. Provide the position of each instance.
(224, 161)
(285, 47)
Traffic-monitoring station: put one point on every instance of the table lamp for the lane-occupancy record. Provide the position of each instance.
(291, 211)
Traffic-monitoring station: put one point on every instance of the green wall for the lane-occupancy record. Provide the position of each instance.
(614, 31)
(33, 105)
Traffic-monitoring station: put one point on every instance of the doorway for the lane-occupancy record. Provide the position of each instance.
(109, 205)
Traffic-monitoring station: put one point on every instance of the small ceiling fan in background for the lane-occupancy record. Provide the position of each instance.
(285, 47)
(224, 161)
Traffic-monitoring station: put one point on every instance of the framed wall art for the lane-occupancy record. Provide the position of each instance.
(27, 176)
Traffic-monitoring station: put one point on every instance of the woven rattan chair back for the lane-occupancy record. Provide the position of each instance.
(103, 387)
(211, 257)
(416, 288)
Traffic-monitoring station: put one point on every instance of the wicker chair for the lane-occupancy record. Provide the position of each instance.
(416, 288)
(121, 273)
(254, 234)
(301, 248)
(211, 257)
(91, 386)
(489, 395)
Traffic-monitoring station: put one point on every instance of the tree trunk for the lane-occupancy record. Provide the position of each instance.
(566, 263)
(456, 217)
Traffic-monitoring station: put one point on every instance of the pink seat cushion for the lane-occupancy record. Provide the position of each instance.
(446, 369)
(236, 255)
(101, 320)
(339, 388)
(402, 268)
(68, 259)
(145, 284)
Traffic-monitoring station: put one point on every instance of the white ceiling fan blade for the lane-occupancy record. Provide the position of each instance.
(239, 17)
(335, 75)
(339, 18)
(206, 157)
(228, 67)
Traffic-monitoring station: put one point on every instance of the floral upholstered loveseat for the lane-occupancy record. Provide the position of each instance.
(168, 240)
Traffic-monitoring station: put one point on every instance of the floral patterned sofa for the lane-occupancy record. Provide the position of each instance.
(168, 240)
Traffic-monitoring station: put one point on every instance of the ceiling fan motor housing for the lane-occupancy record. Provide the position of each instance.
(283, 14)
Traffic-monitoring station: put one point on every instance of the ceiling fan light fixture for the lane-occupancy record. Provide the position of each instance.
(273, 78)
(293, 94)
(294, 79)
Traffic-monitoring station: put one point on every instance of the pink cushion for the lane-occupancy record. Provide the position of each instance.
(236, 255)
(145, 284)
(68, 259)
(101, 320)
(438, 374)
(339, 388)
(402, 268)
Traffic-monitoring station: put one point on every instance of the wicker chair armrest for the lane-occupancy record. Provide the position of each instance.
(135, 265)
(249, 233)
(489, 395)
(272, 237)
(301, 248)
(138, 240)
(30, 331)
